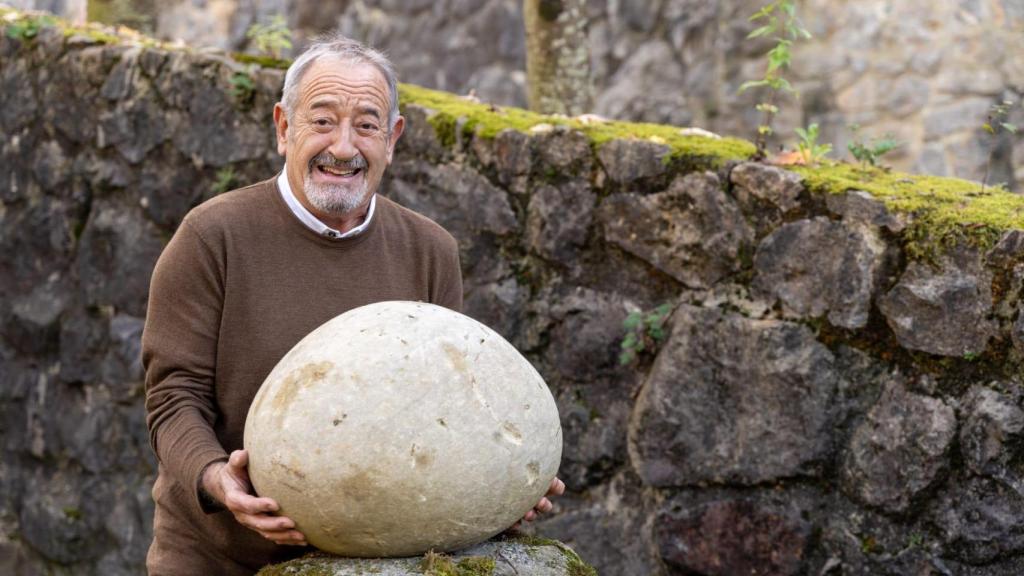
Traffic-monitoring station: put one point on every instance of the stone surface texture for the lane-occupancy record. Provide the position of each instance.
(836, 281)
(465, 433)
(899, 450)
(818, 400)
(863, 66)
(504, 556)
(943, 310)
(728, 401)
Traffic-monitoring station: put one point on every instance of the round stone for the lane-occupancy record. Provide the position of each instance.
(401, 427)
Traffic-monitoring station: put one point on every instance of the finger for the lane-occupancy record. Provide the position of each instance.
(530, 516)
(543, 506)
(291, 538)
(265, 524)
(557, 487)
(239, 459)
(241, 503)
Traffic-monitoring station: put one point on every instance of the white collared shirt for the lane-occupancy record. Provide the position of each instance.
(311, 221)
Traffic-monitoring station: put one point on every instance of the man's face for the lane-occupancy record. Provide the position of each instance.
(337, 143)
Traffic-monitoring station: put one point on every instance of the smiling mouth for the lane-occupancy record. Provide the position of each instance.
(333, 171)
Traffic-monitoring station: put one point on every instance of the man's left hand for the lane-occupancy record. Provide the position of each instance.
(557, 488)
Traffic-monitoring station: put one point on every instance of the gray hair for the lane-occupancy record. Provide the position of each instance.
(348, 50)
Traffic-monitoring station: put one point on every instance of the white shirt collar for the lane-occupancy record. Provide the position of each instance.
(311, 221)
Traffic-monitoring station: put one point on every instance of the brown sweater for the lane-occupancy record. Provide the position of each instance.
(239, 284)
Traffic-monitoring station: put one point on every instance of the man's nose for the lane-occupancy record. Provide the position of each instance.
(343, 145)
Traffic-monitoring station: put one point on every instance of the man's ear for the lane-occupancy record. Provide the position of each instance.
(281, 126)
(396, 133)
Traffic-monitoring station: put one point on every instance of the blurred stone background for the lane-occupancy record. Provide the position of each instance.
(924, 71)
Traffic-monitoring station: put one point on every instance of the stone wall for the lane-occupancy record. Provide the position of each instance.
(836, 391)
(925, 71)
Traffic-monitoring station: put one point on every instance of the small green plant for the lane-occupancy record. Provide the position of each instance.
(971, 356)
(644, 331)
(27, 28)
(271, 39)
(242, 86)
(868, 153)
(781, 23)
(994, 125)
(226, 180)
(916, 540)
(811, 151)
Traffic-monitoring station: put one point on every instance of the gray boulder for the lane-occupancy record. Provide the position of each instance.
(942, 311)
(979, 520)
(730, 536)
(992, 422)
(733, 400)
(692, 231)
(765, 193)
(819, 266)
(899, 450)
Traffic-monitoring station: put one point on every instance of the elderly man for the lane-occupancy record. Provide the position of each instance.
(251, 272)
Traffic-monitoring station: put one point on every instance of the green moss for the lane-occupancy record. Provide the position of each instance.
(73, 514)
(312, 564)
(487, 121)
(24, 25)
(434, 564)
(945, 211)
(262, 61)
(575, 566)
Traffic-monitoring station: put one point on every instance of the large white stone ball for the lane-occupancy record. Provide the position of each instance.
(400, 427)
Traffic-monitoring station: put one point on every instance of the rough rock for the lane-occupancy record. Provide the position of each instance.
(584, 331)
(733, 400)
(942, 311)
(459, 198)
(692, 231)
(859, 207)
(559, 219)
(899, 450)
(765, 193)
(118, 243)
(979, 519)
(816, 266)
(852, 540)
(512, 557)
(732, 536)
(608, 525)
(562, 153)
(991, 424)
(1008, 250)
(629, 161)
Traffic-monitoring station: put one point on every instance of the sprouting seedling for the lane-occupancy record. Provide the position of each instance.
(868, 153)
(994, 124)
(779, 22)
(644, 331)
(242, 86)
(273, 38)
(810, 150)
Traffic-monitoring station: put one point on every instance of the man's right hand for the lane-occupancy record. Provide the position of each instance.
(228, 483)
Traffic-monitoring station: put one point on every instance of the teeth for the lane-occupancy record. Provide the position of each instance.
(336, 172)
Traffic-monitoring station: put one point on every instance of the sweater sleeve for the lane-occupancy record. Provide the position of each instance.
(179, 352)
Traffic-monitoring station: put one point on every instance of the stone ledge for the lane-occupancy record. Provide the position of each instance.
(510, 556)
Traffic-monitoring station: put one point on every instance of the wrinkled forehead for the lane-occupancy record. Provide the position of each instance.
(348, 81)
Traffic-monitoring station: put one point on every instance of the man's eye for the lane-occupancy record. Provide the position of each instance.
(322, 122)
(368, 126)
